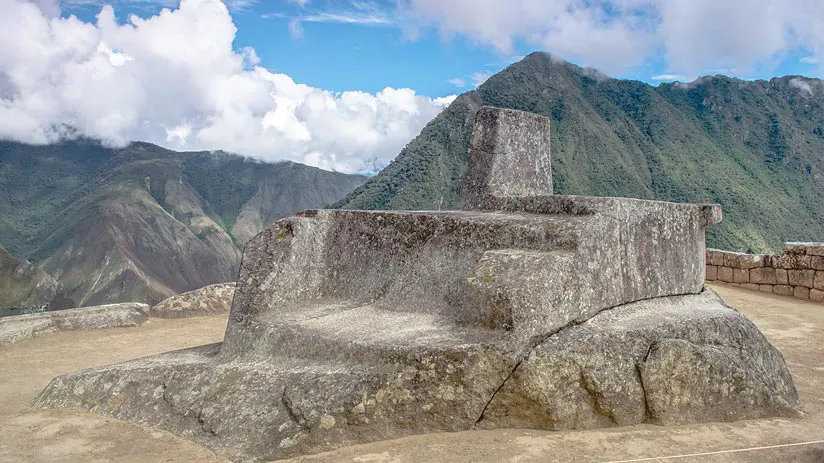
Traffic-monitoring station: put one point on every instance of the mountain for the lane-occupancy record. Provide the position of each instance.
(25, 288)
(755, 147)
(143, 223)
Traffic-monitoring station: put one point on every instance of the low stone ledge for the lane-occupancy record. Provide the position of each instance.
(798, 272)
(810, 249)
(209, 300)
(20, 327)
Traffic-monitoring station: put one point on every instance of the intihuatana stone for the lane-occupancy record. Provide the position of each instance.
(510, 157)
(523, 310)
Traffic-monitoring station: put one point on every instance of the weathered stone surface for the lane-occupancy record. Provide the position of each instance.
(763, 276)
(817, 262)
(667, 361)
(740, 275)
(816, 250)
(804, 278)
(715, 257)
(801, 292)
(781, 277)
(352, 326)
(810, 249)
(751, 286)
(20, 327)
(712, 273)
(209, 300)
(766, 288)
(817, 295)
(743, 261)
(783, 290)
(791, 261)
(818, 282)
(510, 157)
(725, 274)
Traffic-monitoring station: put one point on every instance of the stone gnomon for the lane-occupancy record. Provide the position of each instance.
(522, 309)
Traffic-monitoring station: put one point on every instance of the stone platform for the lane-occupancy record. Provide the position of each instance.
(21, 327)
(523, 309)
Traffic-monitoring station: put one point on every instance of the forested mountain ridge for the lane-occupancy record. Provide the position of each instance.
(755, 147)
(24, 288)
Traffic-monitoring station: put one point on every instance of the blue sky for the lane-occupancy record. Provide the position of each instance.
(357, 55)
(345, 84)
(365, 45)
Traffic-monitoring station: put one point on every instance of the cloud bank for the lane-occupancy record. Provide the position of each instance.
(690, 36)
(175, 80)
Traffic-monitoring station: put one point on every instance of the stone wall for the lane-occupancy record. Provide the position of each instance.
(798, 272)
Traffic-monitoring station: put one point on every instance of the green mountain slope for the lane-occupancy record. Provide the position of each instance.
(24, 288)
(757, 148)
(143, 223)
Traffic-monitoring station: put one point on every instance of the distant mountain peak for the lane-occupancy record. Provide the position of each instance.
(756, 147)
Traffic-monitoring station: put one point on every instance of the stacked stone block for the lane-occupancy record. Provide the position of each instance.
(798, 272)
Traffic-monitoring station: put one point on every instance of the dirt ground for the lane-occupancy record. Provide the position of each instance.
(28, 434)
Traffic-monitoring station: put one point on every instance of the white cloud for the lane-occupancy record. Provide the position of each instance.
(665, 77)
(147, 5)
(445, 101)
(701, 34)
(295, 29)
(809, 60)
(692, 36)
(50, 8)
(803, 85)
(362, 13)
(478, 78)
(457, 82)
(174, 79)
(575, 29)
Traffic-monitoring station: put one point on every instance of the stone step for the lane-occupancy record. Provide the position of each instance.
(347, 332)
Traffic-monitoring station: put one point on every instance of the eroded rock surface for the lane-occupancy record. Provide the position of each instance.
(668, 360)
(209, 300)
(526, 310)
(20, 327)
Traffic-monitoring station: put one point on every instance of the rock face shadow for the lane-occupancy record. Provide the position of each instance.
(522, 309)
